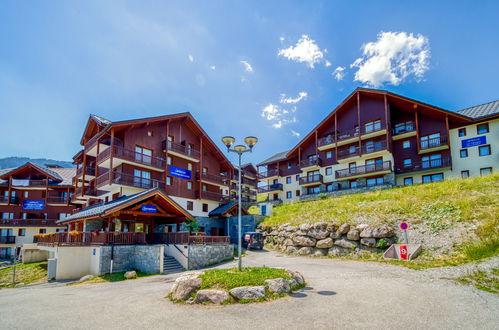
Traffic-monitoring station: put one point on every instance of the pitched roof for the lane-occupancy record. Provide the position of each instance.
(482, 110)
(278, 156)
(101, 209)
(222, 210)
(101, 120)
(64, 176)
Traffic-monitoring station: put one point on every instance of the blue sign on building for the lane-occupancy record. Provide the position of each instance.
(33, 205)
(149, 208)
(180, 172)
(473, 142)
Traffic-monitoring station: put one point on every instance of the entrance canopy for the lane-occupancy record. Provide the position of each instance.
(149, 204)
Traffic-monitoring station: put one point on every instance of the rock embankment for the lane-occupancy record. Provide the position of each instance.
(324, 238)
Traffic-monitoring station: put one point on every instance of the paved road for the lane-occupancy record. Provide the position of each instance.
(340, 294)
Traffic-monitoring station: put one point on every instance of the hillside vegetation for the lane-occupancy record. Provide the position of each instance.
(457, 215)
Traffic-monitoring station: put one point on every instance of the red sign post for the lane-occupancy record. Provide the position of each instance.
(404, 254)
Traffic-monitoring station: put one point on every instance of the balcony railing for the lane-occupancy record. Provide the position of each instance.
(131, 155)
(432, 143)
(366, 148)
(129, 180)
(104, 140)
(57, 199)
(211, 195)
(29, 183)
(424, 165)
(269, 173)
(182, 149)
(88, 171)
(91, 238)
(328, 139)
(364, 169)
(7, 239)
(13, 199)
(29, 223)
(270, 187)
(315, 178)
(403, 128)
(316, 161)
(373, 126)
(218, 179)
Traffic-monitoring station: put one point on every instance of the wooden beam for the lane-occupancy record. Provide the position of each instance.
(358, 118)
(388, 125)
(417, 125)
(83, 178)
(336, 137)
(447, 128)
(111, 157)
(316, 145)
(10, 189)
(200, 169)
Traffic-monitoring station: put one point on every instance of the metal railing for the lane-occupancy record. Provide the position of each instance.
(218, 179)
(5, 199)
(403, 128)
(315, 178)
(270, 187)
(211, 195)
(57, 199)
(424, 165)
(131, 155)
(129, 180)
(432, 143)
(316, 161)
(88, 171)
(373, 126)
(269, 173)
(182, 149)
(7, 239)
(366, 148)
(364, 169)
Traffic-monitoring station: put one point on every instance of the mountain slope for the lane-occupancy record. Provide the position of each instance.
(10, 162)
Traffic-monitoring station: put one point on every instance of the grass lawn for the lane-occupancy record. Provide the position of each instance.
(25, 274)
(483, 281)
(228, 279)
(114, 277)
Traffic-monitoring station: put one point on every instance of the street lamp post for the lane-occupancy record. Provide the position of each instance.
(239, 150)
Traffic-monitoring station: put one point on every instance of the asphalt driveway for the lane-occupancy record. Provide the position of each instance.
(340, 294)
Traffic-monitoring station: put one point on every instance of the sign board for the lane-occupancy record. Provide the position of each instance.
(180, 172)
(403, 225)
(149, 208)
(404, 254)
(473, 142)
(33, 205)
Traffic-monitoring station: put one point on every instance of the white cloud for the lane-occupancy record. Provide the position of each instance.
(191, 58)
(339, 73)
(289, 100)
(392, 58)
(281, 38)
(295, 133)
(247, 66)
(278, 115)
(213, 67)
(328, 64)
(305, 51)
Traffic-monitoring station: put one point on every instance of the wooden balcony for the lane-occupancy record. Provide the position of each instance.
(30, 223)
(378, 147)
(311, 180)
(57, 200)
(122, 179)
(213, 178)
(7, 239)
(429, 165)
(121, 155)
(90, 238)
(310, 163)
(364, 170)
(211, 195)
(270, 188)
(434, 144)
(183, 151)
(89, 171)
(269, 174)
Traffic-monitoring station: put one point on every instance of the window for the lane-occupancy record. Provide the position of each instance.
(21, 232)
(482, 128)
(407, 162)
(42, 231)
(171, 139)
(290, 166)
(189, 185)
(461, 132)
(142, 179)
(406, 144)
(297, 193)
(7, 215)
(205, 170)
(465, 174)
(297, 177)
(431, 161)
(402, 128)
(374, 181)
(5, 253)
(484, 150)
(26, 194)
(275, 181)
(289, 194)
(204, 187)
(288, 180)
(433, 178)
(430, 141)
(150, 133)
(190, 147)
(329, 154)
(329, 171)
(408, 181)
(463, 153)
(189, 166)
(372, 126)
(205, 207)
(168, 180)
(169, 160)
(329, 188)
(485, 171)
(190, 206)
(63, 216)
(352, 149)
(353, 184)
(313, 190)
(143, 155)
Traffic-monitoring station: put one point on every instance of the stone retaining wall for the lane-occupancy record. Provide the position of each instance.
(202, 255)
(324, 238)
(144, 258)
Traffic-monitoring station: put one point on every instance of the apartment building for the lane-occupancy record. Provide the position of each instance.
(249, 185)
(32, 199)
(171, 152)
(375, 138)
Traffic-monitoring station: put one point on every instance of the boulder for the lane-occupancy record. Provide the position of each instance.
(319, 252)
(296, 276)
(318, 233)
(292, 283)
(278, 285)
(291, 228)
(353, 235)
(288, 242)
(248, 292)
(346, 244)
(184, 287)
(390, 240)
(131, 274)
(291, 249)
(320, 225)
(305, 251)
(335, 235)
(304, 241)
(305, 227)
(337, 251)
(361, 227)
(211, 296)
(344, 228)
(324, 243)
(331, 227)
(86, 278)
(381, 231)
(369, 242)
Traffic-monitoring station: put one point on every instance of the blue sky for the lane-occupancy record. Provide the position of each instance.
(272, 69)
